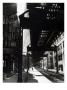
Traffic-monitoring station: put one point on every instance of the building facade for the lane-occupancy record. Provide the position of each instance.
(10, 37)
(49, 62)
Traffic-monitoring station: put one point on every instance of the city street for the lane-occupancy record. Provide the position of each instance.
(33, 43)
(36, 76)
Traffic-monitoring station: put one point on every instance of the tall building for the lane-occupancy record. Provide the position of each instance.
(59, 42)
(10, 36)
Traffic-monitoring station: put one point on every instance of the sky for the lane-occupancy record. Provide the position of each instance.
(26, 39)
(21, 7)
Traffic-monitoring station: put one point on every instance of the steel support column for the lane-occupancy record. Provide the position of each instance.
(43, 63)
(47, 62)
(56, 60)
(27, 64)
(20, 56)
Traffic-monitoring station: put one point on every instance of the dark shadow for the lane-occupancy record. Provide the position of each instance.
(31, 79)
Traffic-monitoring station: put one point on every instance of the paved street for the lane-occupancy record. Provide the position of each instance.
(52, 76)
(33, 77)
(37, 76)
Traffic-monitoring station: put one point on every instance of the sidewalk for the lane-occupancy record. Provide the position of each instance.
(37, 77)
(34, 76)
(13, 79)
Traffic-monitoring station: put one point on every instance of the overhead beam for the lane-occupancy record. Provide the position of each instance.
(42, 48)
(37, 19)
(49, 38)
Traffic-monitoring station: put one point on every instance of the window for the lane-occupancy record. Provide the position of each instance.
(61, 67)
(60, 57)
